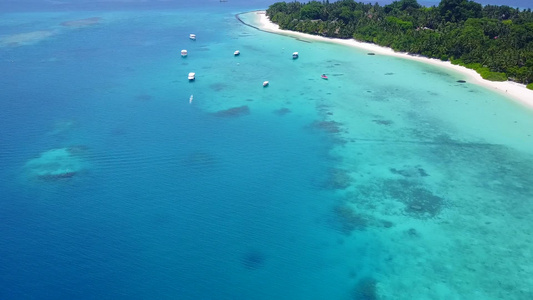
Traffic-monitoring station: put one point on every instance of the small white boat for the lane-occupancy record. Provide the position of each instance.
(295, 55)
(237, 52)
(265, 83)
(183, 52)
(192, 76)
(190, 99)
(192, 36)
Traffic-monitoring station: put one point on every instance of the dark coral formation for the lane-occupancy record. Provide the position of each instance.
(419, 202)
(143, 97)
(119, 131)
(77, 149)
(349, 220)
(416, 171)
(383, 122)
(365, 289)
(82, 22)
(219, 86)
(58, 176)
(253, 259)
(422, 202)
(412, 232)
(422, 172)
(282, 111)
(233, 112)
(337, 179)
(323, 109)
(199, 159)
(387, 224)
(328, 126)
(331, 128)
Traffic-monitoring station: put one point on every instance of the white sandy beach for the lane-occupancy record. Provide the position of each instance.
(512, 90)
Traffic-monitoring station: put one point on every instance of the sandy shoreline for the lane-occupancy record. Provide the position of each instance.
(509, 89)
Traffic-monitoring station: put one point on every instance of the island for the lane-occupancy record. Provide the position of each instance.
(495, 41)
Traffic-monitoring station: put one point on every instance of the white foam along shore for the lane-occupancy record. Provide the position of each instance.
(512, 90)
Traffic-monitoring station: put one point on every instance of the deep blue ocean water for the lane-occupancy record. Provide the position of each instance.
(115, 186)
(169, 200)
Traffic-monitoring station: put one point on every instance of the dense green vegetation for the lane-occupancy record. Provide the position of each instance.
(496, 41)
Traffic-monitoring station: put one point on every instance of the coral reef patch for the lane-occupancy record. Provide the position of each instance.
(253, 259)
(233, 112)
(282, 111)
(419, 202)
(219, 86)
(327, 126)
(199, 159)
(81, 22)
(28, 38)
(416, 171)
(383, 122)
(365, 289)
(56, 164)
(143, 97)
(415, 200)
(337, 179)
(349, 220)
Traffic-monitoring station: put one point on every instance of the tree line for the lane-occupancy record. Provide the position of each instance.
(496, 41)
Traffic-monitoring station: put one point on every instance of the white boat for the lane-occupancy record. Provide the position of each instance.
(183, 52)
(192, 76)
(237, 52)
(190, 99)
(192, 36)
(265, 83)
(295, 55)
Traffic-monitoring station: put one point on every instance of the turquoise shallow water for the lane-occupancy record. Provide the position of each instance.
(390, 180)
